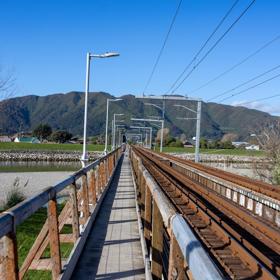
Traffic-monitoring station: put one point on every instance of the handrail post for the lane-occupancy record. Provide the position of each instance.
(85, 206)
(157, 243)
(75, 212)
(176, 260)
(54, 238)
(148, 217)
(92, 187)
(10, 256)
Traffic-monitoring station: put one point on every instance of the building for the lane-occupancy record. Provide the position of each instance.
(253, 147)
(33, 140)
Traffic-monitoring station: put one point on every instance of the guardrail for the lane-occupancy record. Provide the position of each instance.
(167, 235)
(85, 191)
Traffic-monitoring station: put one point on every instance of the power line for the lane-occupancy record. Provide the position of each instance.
(237, 64)
(256, 100)
(214, 46)
(249, 88)
(204, 44)
(162, 47)
(244, 83)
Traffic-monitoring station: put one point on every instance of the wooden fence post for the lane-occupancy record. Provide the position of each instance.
(10, 257)
(148, 217)
(54, 238)
(176, 261)
(157, 243)
(92, 187)
(85, 206)
(75, 212)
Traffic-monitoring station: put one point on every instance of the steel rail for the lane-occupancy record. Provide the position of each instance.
(213, 217)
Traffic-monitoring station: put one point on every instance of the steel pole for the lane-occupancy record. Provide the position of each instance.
(106, 133)
(84, 155)
(114, 141)
(161, 136)
(151, 133)
(197, 137)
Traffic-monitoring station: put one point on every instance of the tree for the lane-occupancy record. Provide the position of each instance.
(7, 85)
(60, 136)
(269, 141)
(42, 131)
(203, 143)
(165, 136)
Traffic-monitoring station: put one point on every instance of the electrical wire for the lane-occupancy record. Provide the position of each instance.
(237, 64)
(204, 45)
(213, 46)
(256, 100)
(251, 87)
(162, 47)
(244, 83)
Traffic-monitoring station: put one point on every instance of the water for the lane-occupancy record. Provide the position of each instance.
(38, 166)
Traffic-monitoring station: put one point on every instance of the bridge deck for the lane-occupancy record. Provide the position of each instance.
(113, 248)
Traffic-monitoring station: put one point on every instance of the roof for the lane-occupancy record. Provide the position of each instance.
(28, 139)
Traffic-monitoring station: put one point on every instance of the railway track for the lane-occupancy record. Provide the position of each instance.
(241, 244)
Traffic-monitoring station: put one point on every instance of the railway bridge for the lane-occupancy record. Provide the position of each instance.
(139, 214)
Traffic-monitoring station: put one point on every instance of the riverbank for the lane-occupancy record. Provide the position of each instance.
(42, 155)
(30, 183)
(223, 158)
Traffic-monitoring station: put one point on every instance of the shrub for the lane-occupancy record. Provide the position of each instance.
(14, 196)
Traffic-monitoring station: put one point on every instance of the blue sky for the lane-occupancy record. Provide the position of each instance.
(45, 44)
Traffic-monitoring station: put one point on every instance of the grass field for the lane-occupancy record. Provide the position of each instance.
(48, 147)
(26, 235)
(232, 152)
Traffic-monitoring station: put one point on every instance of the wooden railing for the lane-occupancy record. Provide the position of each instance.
(173, 249)
(85, 191)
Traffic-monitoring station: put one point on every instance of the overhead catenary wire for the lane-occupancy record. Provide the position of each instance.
(213, 46)
(204, 44)
(266, 45)
(244, 83)
(162, 47)
(256, 100)
(251, 87)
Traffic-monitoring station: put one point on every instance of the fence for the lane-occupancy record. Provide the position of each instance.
(173, 249)
(83, 193)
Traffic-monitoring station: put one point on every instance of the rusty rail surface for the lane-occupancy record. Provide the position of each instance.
(84, 200)
(260, 198)
(243, 244)
(172, 247)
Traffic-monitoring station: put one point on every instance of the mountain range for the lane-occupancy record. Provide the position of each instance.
(66, 112)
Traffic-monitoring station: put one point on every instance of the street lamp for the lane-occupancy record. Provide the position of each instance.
(198, 118)
(107, 116)
(89, 56)
(114, 131)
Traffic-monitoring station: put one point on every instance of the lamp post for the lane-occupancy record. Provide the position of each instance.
(107, 116)
(198, 118)
(88, 58)
(114, 131)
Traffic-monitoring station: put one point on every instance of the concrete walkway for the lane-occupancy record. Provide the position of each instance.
(113, 249)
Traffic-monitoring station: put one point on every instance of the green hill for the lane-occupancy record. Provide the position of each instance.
(66, 111)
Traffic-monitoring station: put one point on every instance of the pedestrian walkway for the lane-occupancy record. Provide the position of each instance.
(113, 248)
